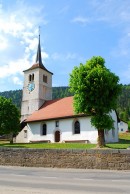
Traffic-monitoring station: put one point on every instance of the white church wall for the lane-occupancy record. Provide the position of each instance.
(66, 128)
(24, 135)
(36, 128)
(87, 132)
(112, 135)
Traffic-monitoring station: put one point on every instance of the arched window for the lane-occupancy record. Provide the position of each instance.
(44, 129)
(33, 77)
(45, 78)
(76, 127)
(30, 77)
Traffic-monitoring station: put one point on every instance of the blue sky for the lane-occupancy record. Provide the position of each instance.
(72, 31)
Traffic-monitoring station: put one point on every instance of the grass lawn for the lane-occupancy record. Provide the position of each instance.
(124, 142)
(49, 145)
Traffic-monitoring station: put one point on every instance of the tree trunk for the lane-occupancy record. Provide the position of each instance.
(101, 139)
(11, 138)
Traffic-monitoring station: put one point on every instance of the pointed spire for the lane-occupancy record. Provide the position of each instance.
(39, 57)
(38, 63)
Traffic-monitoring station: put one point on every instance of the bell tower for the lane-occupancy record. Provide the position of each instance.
(37, 87)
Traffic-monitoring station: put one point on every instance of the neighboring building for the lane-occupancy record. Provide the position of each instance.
(47, 120)
(122, 126)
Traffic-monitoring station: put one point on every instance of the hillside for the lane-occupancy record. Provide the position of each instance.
(60, 92)
(16, 95)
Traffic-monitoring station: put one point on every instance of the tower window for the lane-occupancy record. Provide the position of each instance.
(44, 129)
(45, 78)
(31, 77)
(77, 127)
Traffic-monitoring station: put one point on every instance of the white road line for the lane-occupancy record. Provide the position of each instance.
(83, 179)
(17, 174)
(50, 177)
(120, 180)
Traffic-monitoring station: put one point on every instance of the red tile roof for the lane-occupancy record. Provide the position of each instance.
(54, 109)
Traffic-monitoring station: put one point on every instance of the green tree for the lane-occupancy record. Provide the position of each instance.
(129, 125)
(96, 90)
(9, 118)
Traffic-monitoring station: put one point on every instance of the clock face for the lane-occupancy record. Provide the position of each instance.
(31, 87)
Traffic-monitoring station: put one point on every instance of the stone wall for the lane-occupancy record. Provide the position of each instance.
(59, 158)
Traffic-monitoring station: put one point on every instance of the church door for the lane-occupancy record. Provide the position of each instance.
(57, 136)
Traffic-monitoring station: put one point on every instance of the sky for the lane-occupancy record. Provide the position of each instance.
(71, 32)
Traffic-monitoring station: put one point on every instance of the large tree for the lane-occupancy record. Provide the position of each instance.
(96, 90)
(9, 118)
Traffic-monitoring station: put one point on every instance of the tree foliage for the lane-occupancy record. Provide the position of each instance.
(96, 90)
(9, 117)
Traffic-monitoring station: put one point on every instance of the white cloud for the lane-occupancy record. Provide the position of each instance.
(3, 43)
(17, 81)
(31, 44)
(112, 11)
(64, 10)
(14, 67)
(71, 56)
(80, 19)
(44, 55)
(56, 56)
(59, 56)
(109, 11)
(67, 56)
(19, 36)
(122, 48)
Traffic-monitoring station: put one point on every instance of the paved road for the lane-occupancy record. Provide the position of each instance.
(20, 180)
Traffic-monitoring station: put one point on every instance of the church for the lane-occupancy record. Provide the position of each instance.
(46, 120)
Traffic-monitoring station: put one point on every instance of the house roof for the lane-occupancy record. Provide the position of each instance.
(54, 109)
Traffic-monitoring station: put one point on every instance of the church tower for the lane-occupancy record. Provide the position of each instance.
(37, 86)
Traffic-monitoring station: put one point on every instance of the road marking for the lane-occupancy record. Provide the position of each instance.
(18, 174)
(50, 177)
(83, 179)
(120, 180)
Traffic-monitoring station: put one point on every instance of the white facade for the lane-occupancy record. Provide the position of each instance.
(33, 131)
(122, 126)
(33, 100)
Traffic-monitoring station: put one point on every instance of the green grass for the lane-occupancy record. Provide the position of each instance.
(124, 142)
(49, 145)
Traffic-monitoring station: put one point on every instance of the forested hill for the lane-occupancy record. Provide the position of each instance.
(60, 92)
(16, 95)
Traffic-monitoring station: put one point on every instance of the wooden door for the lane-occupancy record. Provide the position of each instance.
(57, 136)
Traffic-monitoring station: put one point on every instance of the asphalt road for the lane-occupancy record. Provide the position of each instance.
(20, 180)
